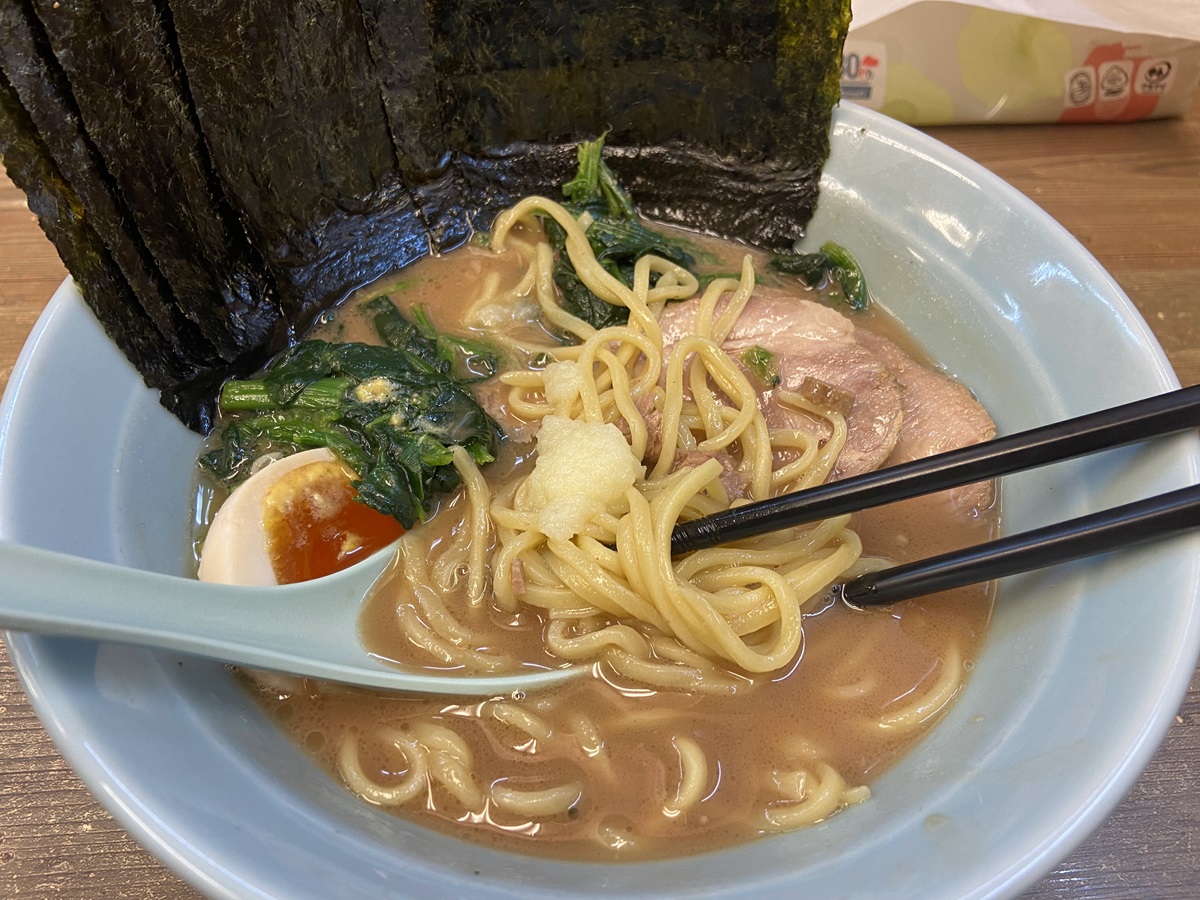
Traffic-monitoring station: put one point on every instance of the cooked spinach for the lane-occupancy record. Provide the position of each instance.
(391, 413)
(466, 359)
(762, 364)
(615, 233)
(832, 262)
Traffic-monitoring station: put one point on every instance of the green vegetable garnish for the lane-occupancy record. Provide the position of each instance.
(391, 413)
(470, 360)
(762, 365)
(833, 262)
(616, 235)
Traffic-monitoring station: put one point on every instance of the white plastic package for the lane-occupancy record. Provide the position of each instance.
(933, 62)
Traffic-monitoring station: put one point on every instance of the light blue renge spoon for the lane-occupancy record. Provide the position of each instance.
(308, 629)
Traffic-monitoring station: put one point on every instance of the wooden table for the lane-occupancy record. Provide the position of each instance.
(1130, 193)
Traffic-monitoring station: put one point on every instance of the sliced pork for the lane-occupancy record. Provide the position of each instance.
(940, 414)
(814, 343)
(899, 409)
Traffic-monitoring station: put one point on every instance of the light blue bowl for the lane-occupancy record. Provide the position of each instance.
(1082, 673)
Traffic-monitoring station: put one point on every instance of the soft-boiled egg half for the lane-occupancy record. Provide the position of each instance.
(295, 519)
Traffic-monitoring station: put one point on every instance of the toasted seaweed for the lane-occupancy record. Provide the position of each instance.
(44, 91)
(399, 40)
(153, 152)
(61, 212)
(734, 89)
(650, 73)
(246, 164)
(289, 102)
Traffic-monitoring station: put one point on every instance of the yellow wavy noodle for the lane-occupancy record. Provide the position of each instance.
(827, 453)
(853, 675)
(808, 796)
(414, 782)
(435, 736)
(454, 774)
(450, 762)
(428, 601)
(590, 644)
(539, 803)
(444, 649)
(669, 676)
(498, 309)
(475, 541)
(693, 776)
(591, 741)
(434, 754)
(945, 685)
(525, 721)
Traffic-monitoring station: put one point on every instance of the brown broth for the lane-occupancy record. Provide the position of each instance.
(853, 668)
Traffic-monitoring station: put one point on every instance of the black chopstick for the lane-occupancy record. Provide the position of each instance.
(1091, 535)
(1132, 422)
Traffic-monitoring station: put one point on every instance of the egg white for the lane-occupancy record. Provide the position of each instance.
(235, 549)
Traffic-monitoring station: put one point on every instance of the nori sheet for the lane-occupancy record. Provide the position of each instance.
(147, 134)
(651, 73)
(287, 98)
(62, 214)
(400, 43)
(33, 72)
(264, 158)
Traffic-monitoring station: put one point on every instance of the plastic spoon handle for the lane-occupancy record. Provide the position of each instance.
(308, 629)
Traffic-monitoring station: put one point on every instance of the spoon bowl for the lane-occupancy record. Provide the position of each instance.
(308, 629)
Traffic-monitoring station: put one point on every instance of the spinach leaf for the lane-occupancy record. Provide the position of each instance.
(391, 413)
(832, 262)
(616, 234)
(762, 364)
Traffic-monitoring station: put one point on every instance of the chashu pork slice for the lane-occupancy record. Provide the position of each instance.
(940, 414)
(812, 342)
(899, 410)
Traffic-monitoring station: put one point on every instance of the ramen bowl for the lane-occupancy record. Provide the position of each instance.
(1070, 696)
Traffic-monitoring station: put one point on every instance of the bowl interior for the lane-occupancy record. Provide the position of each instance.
(1081, 673)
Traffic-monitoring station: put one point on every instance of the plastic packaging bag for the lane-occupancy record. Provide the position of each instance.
(933, 63)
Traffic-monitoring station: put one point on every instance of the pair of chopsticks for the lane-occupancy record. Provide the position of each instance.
(1089, 535)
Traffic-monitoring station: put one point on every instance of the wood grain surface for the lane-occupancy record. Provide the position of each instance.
(1129, 193)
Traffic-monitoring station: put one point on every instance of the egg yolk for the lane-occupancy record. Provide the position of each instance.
(315, 526)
